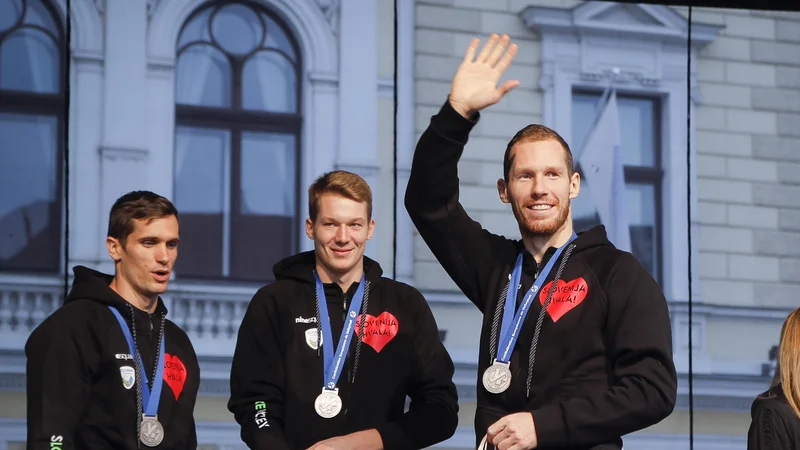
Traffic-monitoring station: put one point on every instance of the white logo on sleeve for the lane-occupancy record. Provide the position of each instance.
(311, 338)
(128, 376)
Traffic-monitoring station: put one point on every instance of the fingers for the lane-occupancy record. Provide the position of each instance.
(495, 429)
(471, 49)
(498, 50)
(487, 49)
(503, 440)
(505, 61)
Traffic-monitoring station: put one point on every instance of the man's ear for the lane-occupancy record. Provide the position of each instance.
(502, 190)
(574, 185)
(115, 249)
(310, 228)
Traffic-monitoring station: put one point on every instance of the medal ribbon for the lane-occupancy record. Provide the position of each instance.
(508, 333)
(333, 369)
(151, 401)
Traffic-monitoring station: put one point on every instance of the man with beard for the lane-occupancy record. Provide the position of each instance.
(575, 347)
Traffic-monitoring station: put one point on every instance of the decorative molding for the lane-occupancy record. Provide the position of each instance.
(330, 9)
(125, 154)
(652, 22)
(386, 87)
(152, 6)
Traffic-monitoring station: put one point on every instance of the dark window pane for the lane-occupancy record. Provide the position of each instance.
(29, 62)
(203, 77)
(644, 227)
(10, 11)
(269, 83)
(201, 163)
(29, 218)
(638, 139)
(263, 228)
(196, 29)
(237, 29)
(277, 38)
(38, 14)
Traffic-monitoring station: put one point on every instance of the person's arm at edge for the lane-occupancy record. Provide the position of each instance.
(644, 391)
(257, 374)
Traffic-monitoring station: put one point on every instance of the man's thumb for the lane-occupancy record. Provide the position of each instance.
(507, 86)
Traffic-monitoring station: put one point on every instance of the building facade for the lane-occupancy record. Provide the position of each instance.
(214, 105)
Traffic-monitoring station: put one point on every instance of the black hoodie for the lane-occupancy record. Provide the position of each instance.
(78, 358)
(277, 369)
(603, 363)
(774, 425)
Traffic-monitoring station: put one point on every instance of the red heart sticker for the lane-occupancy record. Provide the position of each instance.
(174, 374)
(378, 331)
(566, 296)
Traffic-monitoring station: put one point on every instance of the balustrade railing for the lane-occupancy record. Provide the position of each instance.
(210, 314)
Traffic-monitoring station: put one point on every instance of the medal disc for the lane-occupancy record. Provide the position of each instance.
(151, 432)
(497, 378)
(328, 404)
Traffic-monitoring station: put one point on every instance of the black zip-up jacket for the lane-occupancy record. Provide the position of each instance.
(775, 425)
(603, 365)
(277, 370)
(79, 368)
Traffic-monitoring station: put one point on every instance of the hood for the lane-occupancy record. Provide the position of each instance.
(90, 284)
(591, 238)
(300, 267)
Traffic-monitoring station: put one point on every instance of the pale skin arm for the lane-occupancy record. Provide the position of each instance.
(360, 440)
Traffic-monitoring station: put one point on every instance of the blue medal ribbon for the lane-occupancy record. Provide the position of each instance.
(333, 369)
(508, 332)
(150, 401)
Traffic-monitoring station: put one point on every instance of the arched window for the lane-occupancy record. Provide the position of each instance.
(237, 141)
(31, 136)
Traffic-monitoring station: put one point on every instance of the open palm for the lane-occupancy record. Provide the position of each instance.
(475, 83)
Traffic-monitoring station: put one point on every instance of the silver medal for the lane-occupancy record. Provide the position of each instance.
(328, 404)
(151, 432)
(497, 378)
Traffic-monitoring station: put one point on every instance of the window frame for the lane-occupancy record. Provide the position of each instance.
(237, 121)
(45, 104)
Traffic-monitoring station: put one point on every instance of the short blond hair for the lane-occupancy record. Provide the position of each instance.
(339, 182)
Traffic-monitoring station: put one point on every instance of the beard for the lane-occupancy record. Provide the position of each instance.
(529, 226)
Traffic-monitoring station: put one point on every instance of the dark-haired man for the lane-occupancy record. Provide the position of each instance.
(107, 369)
(576, 346)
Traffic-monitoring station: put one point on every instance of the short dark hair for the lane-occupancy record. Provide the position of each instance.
(137, 205)
(535, 133)
(340, 182)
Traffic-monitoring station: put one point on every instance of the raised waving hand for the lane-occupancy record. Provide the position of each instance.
(475, 83)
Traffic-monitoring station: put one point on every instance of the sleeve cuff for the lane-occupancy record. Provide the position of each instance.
(452, 125)
(551, 429)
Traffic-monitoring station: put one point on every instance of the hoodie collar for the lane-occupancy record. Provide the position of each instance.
(90, 284)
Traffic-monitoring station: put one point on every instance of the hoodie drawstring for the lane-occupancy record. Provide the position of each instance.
(501, 305)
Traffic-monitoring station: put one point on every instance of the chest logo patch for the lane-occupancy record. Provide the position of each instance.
(567, 295)
(128, 375)
(378, 331)
(174, 374)
(311, 338)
